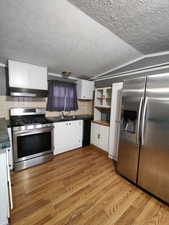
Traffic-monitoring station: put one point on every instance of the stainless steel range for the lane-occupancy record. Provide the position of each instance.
(32, 137)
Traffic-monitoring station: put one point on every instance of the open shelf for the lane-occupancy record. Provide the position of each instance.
(103, 107)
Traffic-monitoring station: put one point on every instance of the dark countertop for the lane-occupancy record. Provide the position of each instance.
(4, 138)
(69, 118)
(58, 119)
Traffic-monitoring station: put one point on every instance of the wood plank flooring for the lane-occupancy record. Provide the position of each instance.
(80, 187)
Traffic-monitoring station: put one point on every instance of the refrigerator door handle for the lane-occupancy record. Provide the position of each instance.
(138, 123)
(143, 121)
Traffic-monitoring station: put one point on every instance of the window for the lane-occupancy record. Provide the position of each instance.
(62, 96)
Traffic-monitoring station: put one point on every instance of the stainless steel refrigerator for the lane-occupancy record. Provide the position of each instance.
(144, 134)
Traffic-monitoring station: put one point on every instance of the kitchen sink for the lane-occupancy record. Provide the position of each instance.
(68, 118)
(62, 118)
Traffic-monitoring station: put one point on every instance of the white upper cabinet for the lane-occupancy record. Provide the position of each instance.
(103, 97)
(85, 89)
(24, 75)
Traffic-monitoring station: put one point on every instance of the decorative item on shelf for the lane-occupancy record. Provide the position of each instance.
(66, 74)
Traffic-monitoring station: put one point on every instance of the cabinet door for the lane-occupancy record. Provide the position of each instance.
(75, 134)
(99, 97)
(38, 77)
(85, 89)
(18, 74)
(95, 130)
(24, 75)
(10, 150)
(67, 136)
(9, 181)
(4, 195)
(104, 138)
(62, 138)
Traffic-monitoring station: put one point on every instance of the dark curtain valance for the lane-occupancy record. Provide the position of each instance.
(62, 96)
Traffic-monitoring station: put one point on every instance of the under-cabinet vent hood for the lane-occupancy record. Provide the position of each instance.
(27, 80)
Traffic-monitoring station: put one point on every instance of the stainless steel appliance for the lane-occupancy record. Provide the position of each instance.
(32, 137)
(144, 135)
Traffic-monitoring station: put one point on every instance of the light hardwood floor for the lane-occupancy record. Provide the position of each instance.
(80, 187)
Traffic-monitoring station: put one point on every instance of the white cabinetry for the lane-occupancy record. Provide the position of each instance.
(100, 136)
(10, 150)
(100, 126)
(67, 136)
(105, 128)
(5, 188)
(24, 75)
(103, 97)
(85, 89)
(115, 120)
(94, 134)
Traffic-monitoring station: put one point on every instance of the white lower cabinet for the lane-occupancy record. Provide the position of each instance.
(10, 155)
(67, 136)
(100, 136)
(5, 188)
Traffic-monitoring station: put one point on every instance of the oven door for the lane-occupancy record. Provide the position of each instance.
(32, 143)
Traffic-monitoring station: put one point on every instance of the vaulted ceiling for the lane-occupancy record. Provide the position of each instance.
(86, 37)
(141, 23)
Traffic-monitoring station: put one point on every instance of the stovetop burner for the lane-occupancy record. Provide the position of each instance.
(28, 120)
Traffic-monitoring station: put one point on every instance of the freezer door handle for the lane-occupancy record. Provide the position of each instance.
(138, 122)
(143, 121)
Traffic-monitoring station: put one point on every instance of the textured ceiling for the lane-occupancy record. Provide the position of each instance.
(142, 23)
(59, 35)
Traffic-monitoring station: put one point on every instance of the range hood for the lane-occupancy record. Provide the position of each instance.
(27, 80)
(21, 92)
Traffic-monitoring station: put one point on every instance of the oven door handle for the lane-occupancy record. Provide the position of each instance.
(35, 131)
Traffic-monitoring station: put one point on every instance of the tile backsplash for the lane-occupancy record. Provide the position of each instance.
(85, 107)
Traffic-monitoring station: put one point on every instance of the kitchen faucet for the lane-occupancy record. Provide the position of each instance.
(62, 115)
